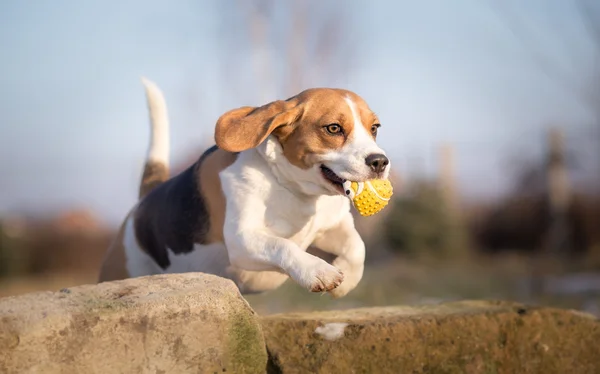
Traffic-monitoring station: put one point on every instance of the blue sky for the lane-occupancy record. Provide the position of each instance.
(74, 129)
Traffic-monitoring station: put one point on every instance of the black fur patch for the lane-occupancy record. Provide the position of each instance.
(173, 215)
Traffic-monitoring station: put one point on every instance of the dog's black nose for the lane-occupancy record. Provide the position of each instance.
(377, 162)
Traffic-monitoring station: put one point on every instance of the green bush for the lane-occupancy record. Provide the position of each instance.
(11, 255)
(420, 225)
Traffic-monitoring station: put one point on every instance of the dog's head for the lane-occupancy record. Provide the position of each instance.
(323, 137)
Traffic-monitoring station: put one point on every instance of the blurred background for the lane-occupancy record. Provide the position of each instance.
(490, 113)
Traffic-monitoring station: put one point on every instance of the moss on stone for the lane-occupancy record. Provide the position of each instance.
(246, 347)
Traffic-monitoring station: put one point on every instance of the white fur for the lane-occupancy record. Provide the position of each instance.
(344, 241)
(158, 150)
(139, 263)
(270, 221)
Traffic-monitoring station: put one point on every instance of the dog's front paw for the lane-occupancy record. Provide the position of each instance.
(319, 276)
(327, 279)
(352, 275)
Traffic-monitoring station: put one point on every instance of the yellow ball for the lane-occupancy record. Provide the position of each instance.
(369, 197)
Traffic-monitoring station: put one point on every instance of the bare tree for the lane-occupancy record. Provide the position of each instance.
(285, 46)
(270, 50)
(579, 79)
(568, 77)
(582, 82)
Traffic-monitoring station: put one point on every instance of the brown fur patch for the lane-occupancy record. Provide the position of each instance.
(154, 174)
(114, 266)
(173, 215)
(299, 124)
(210, 189)
(309, 136)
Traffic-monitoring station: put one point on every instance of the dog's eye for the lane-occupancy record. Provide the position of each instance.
(374, 129)
(334, 128)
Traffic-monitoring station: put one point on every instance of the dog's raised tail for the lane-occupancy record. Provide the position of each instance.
(156, 169)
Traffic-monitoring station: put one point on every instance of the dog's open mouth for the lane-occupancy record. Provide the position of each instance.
(333, 178)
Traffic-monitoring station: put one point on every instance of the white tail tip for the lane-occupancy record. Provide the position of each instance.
(158, 150)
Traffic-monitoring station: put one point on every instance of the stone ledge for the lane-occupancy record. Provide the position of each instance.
(160, 324)
(464, 337)
(196, 323)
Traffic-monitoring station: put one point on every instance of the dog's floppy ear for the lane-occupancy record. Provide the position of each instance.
(244, 128)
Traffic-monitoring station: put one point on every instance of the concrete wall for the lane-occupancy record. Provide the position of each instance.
(195, 323)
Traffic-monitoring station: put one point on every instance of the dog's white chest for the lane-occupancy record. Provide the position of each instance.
(258, 199)
(300, 220)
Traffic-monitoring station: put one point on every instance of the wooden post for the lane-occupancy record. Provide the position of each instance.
(447, 180)
(559, 193)
(457, 245)
(558, 199)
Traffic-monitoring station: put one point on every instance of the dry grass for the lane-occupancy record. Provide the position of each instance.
(411, 282)
(396, 282)
(46, 282)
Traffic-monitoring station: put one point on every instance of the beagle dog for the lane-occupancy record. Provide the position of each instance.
(250, 207)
